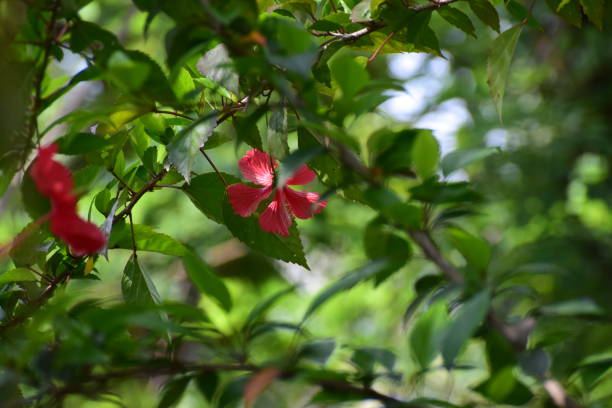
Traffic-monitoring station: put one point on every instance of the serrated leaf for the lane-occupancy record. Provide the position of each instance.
(345, 283)
(464, 325)
(498, 64)
(461, 158)
(185, 146)
(248, 230)
(137, 286)
(205, 279)
(457, 18)
(486, 13)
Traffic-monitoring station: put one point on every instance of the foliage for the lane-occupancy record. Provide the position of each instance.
(470, 277)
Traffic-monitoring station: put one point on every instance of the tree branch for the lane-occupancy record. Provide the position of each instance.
(96, 383)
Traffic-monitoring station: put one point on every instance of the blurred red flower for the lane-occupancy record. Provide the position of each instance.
(54, 181)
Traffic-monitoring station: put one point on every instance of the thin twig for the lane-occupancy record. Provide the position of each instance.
(123, 183)
(169, 186)
(134, 250)
(380, 47)
(212, 164)
(173, 113)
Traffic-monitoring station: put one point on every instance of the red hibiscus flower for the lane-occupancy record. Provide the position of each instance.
(256, 166)
(54, 181)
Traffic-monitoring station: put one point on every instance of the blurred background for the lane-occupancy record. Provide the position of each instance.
(547, 210)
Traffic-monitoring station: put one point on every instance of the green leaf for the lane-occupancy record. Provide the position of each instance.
(348, 74)
(261, 308)
(426, 335)
(82, 143)
(393, 208)
(317, 351)
(379, 243)
(366, 357)
(498, 64)
(464, 325)
(461, 158)
(248, 230)
(185, 146)
(345, 283)
(126, 74)
(205, 279)
(35, 204)
(580, 307)
(568, 10)
(137, 286)
(173, 391)
(475, 250)
(216, 65)
(521, 13)
(28, 250)
(206, 192)
(594, 9)
(457, 18)
(425, 154)
(207, 382)
(17, 275)
(486, 13)
(325, 165)
(146, 240)
(503, 388)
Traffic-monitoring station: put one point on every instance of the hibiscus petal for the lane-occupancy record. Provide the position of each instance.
(276, 218)
(245, 199)
(303, 175)
(302, 203)
(82, 236)
(52, 178)
(255, 167)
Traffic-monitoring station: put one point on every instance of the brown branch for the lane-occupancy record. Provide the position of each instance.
(375, 25)
(31, 307)
(380, 47)
(96, 383)
(38, 79)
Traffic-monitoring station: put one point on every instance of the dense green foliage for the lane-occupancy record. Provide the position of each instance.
(472, 275)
